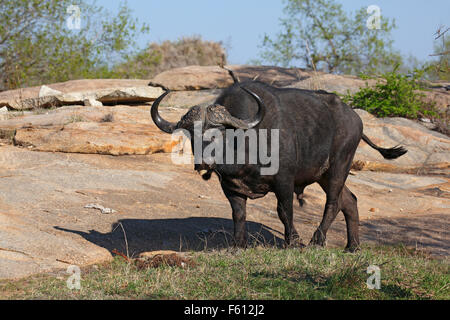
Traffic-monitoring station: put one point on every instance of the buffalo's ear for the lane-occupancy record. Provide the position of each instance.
(218, 115)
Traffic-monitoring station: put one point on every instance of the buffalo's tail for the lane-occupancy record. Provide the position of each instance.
(392, 153)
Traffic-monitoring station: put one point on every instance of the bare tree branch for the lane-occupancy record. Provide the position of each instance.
(440, 54)
(440, 34)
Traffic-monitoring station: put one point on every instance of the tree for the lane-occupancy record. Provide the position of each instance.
(37, 46)
(172, 54)
(440, 68)
(321, 35)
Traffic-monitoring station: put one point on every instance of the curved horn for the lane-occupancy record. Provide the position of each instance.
(166, 126)
(261, 110)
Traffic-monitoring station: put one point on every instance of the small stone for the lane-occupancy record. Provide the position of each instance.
(47, 91)
(92, 103)
(101, 208)
(151, 254)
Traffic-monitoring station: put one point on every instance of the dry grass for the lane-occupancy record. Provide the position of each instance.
(173, 54)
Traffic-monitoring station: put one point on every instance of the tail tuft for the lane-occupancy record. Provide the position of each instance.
(392, 153)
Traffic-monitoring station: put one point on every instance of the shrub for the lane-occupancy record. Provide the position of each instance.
(395, 94)
(172, 54)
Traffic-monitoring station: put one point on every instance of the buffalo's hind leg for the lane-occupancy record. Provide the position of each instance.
(333, 183)
(349, 207)
(285, 197)
(330, 213)
(347, 202)
(238, 205)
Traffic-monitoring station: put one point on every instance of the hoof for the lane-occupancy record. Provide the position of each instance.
(318, 239)
(242, 244)
(294, 243)
(352, 248)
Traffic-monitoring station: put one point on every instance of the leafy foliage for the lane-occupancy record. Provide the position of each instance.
(395, 94)
(322, 36)
(36, 45)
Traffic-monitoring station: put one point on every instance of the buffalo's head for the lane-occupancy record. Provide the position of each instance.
(213, 116)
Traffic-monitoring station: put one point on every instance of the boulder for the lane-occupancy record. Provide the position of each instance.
(187, 99)
(110, 91)
(193, 78)
(428, 151)
(276, 76)
(3, 113)
(71, 86)
(47, 91)
(332, 83)
(440, 98)
(213, 77)
(126, 95)
(89, 102)
(118, 130)
(96, 138)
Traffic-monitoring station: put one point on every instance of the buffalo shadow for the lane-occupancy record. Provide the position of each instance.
(184, 234)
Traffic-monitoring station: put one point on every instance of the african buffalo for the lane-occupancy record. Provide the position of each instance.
(318, 137)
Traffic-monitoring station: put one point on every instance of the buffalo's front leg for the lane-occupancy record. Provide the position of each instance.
(238, 205)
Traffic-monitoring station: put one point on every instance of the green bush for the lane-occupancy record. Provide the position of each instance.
(395, 94)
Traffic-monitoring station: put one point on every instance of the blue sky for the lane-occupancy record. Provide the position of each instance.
(241, 24)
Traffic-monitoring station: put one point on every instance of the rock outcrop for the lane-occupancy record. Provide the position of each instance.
(428, 151)
(88, 92)
(193, 78)
(120, 130)
(214, 77)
